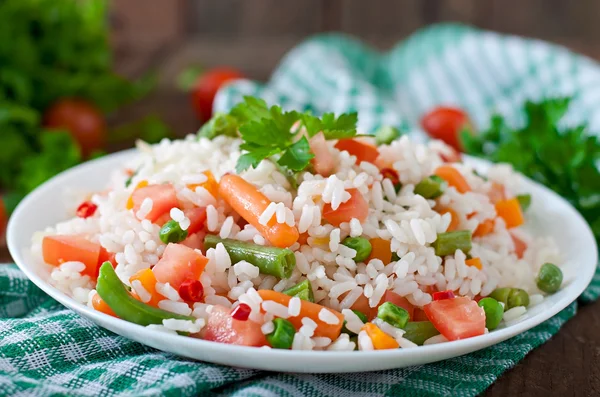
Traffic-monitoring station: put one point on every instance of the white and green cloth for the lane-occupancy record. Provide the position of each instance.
(48, 350)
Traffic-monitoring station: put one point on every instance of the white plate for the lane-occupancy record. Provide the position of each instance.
(549, 214)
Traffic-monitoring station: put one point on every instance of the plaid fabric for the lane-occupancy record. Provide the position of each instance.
(47, 350)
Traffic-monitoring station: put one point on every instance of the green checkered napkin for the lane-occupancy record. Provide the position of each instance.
(46, 349)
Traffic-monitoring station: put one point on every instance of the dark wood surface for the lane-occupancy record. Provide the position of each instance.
(167, 35)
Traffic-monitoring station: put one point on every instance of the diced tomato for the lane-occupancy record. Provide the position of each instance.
(179, 263)
(86, 209)
(105, 256)
(163, 199)
(390, 174)
(355, 207)
(497, 193)
(195, 241)
(361, 304)
(419, 315)
(457, 318)
(323, 162)
(441, 295)
(197, 217)
(223, 328)
(59, 249)
(161, 220)
(520, 246)
(362, 150)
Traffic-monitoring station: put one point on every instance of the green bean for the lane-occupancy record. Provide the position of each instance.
(354, 338)
(361, 245)
(282, 336)
(302, 290)
(386, 135)
(431, 187)
(394, 315)
(549, 278)
(278, 262)
(447, 243)
(113, 292)
(493, 312)
(363, 318)
(419, 331)
(524, 201)
(219, 124)
(171, 233)
(395, 257)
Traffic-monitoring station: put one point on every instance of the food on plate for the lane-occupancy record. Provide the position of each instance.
(297, 233)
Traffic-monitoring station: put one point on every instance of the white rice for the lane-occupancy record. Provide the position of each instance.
(328, 317)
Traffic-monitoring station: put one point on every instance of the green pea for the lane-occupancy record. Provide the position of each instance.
(394, 315)
(171, 233)
(282, 336)
(361, 245)
(431, 187)
(493, 312)
(501, 295)
(517, 297)
(549, 278)
(386, 134)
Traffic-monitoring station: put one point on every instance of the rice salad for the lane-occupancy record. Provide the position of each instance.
(321, 240)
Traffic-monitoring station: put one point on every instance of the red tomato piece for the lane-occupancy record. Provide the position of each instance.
(106, 256)
(355, 207)
(457, 318)
(520, 246)
(446, 124)
(323, 162)
(197, 217)
(195, 241)
(441, 295)
(206, 87)
(362, 150)
(419, 315)
(222, 327)
(86, 209)
(178, 264)
(390, 174)
(59, 249)
(163, 199)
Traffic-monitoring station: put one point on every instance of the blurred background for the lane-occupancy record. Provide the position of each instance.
(82, 78)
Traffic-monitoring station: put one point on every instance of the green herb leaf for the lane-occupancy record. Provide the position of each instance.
(219, 124)
(333, 128)
(297, 156)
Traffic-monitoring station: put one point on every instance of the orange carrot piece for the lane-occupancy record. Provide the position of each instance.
(140, 185)
(453, 177)
(247, 201)
(310, 310)
(484, 228)
(380, 250)
(497, 192)
(510, 211)
(454, 221)
(101, 306)
(148, 280)
(474, 262)
(520, 246)
(211, 185)
(380, 339)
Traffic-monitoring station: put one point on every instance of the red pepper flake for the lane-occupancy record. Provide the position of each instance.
(191, 291)
(242, 312)
(438, 296)
(390, 174)
(86, 209)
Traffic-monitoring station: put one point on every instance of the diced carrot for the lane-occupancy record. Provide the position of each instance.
(484, 228)
(303, 238)
(510, 211)
(101, 306)
(361, 304)
(140, 184)
(362, 150)
(59, 249)
(380, 339)
(323, 162)
(211, 185)
(247, 201)
(310, 310)
(476, 262)
(454, 220)
(497, 193)
(355, 207)
(453, 177)
(520, 246)
(380, 250)
(148, 280)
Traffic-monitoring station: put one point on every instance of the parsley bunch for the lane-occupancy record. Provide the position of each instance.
(566, 159)
(272, 133)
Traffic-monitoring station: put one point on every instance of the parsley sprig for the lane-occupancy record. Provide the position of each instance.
(563, 158)
(272, 133)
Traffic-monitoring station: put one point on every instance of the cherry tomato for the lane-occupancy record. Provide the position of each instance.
(81, 119)
(446, 124)
(206, 87)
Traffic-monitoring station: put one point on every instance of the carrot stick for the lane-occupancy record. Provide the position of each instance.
(510, 211)
(148, 280)
(380, 339)
(247, 201)
(307, 309)
(484, 228)
(474, 262)
(453, 177)
(101, 306)
(380, 250)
